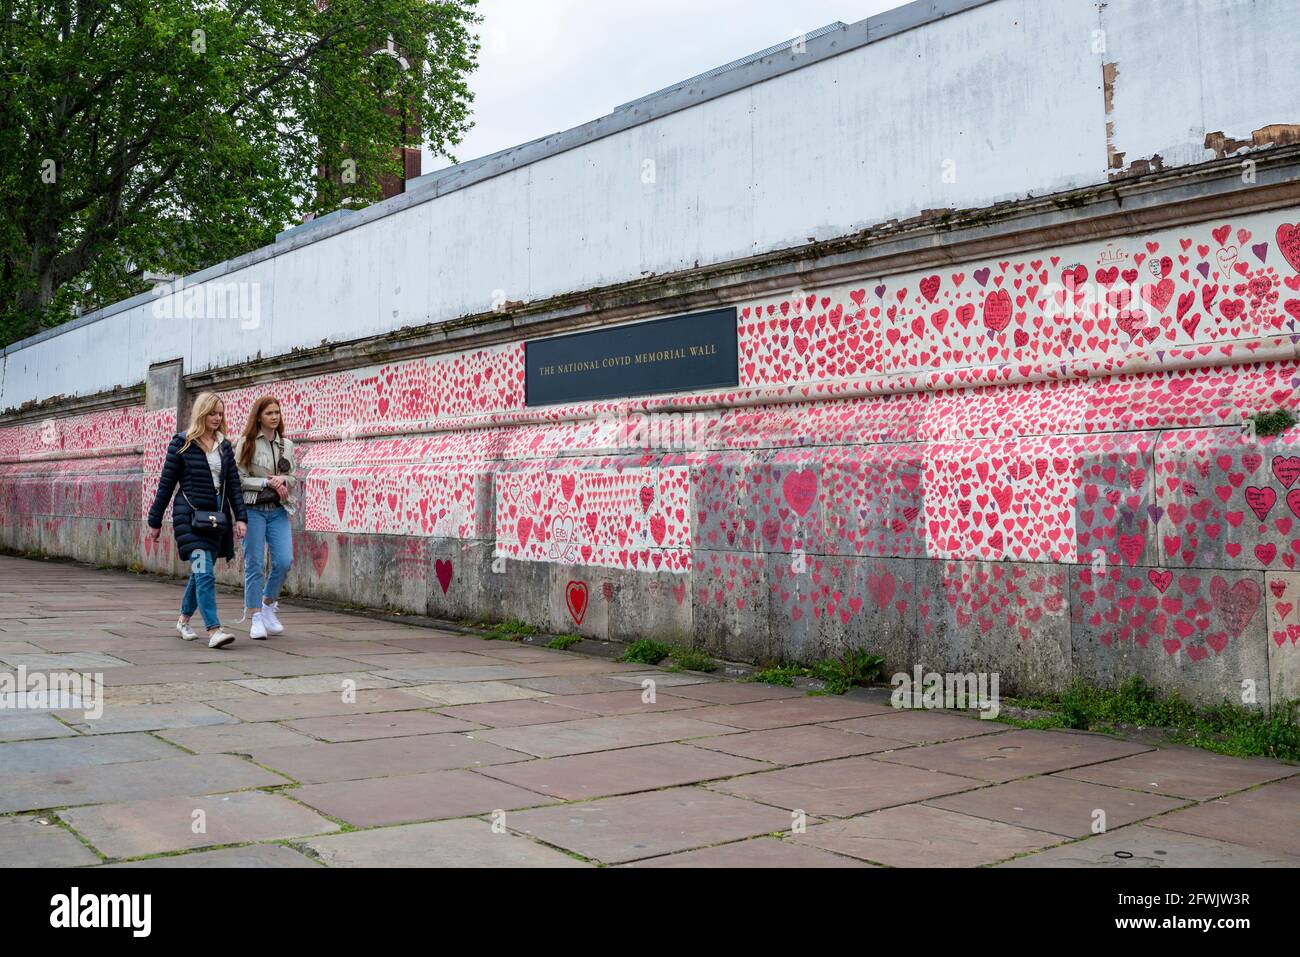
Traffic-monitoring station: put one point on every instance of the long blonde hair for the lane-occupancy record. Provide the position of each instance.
(204, 406)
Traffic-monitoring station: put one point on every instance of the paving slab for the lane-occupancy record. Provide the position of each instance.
(165, 674)
(844, 787)
(1185, 772)
(918, 836)
(118, 718)
(319, 704)
(240, 738)
(571, 684)
(1265, 818)
(388, 724)
(1058, 805)
(161, 777)
(183, 692)
(31, 840)
(1142, 846)
(785, 712)
(135, 828)
(32, 757)
(767, 852)
(28, 725)
(599, 734)
(920, 727)
(1015, 754)
(71, 661)
(473, 692)
(620, 829)
(348, 761)
(801, 744)
(331, 647)
(435, 642)
(254, 855)
(415, 676)
(737, 692)
(287, 666)
(18, 648)
(406, 798)
(318, 684)
(460, 843)
(512, 714)
(623, 702)
(425, 659)
(604, 773)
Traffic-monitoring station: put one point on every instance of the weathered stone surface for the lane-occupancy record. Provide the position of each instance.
(584, 776)
(233, 738)
(599, 734)
(621, 829)
(1057, 805)
(29, 840)
(1263, 818)
(322, 703)
(28, 725)
(919, 727)
(844, 787)
(389, 724)
(475, 692)
(134, 828)
(1184, 772)
(464, 843)
(257, 855)
(756, 852)
(1004, 617)
(161, 777)
(511, 714)
(802, 744)
(118, 718)
(315, 684)
(406, 798)
(920, 836)
(1142, 846)
(1015, 754)
(1198, 632)
(64, 753)
(316, 763)
(1282, 598)
(785, 712)
(623, 702)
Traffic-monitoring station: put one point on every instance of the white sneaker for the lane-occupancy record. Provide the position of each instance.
(187, 633)
(257, 631)
(220, 638)
(271, 620)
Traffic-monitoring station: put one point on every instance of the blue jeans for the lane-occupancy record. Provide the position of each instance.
(266, 527)
(201, 589)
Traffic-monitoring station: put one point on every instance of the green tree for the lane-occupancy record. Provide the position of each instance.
(173, 134)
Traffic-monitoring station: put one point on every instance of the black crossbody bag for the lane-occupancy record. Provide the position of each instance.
(205, 521)
(269, 496)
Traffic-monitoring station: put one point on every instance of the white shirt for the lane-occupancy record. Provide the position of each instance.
(214, 463)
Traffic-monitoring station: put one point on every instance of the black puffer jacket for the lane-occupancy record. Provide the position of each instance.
(189, 470)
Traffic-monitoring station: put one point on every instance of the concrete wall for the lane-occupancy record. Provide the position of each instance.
(1005, 100)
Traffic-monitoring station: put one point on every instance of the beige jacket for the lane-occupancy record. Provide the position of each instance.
(263, 466)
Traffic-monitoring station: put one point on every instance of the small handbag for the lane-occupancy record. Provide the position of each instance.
(269, 496)
(206, 521)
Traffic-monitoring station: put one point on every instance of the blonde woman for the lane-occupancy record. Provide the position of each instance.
(208, 513)
(265, 460)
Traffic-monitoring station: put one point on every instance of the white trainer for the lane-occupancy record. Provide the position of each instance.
(271, 620)
(220, 638)
(257, 631)
(187, 633)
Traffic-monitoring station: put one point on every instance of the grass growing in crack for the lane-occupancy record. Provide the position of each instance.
(856, 667)
(1275, 422)
(510, 631)
(647, 652)
(1227, 728)
(778, 675)
(560, 642)
(690, 659)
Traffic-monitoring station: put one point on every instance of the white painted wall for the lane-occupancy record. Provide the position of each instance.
(1010, 92)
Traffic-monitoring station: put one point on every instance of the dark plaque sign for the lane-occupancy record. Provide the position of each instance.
(664, 355)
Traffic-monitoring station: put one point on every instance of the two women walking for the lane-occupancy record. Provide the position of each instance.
(222, 493)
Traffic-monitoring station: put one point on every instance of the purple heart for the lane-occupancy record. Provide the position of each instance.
(1260, 250)
(1204, 270)
(1155, 511)
(880, 291)
(981, 276)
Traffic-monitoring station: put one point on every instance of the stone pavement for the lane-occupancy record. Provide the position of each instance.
(350, 741)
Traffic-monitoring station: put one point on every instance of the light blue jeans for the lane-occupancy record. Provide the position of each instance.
(201, 589)
(266, 527)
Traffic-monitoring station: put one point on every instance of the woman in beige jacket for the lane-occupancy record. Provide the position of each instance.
(265, 460)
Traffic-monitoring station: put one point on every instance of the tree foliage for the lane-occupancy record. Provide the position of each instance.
(169, 135)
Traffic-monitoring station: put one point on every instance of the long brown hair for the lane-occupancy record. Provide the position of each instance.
(248, 441)
(204, 405)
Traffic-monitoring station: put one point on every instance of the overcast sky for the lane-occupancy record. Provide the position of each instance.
(549, 65)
